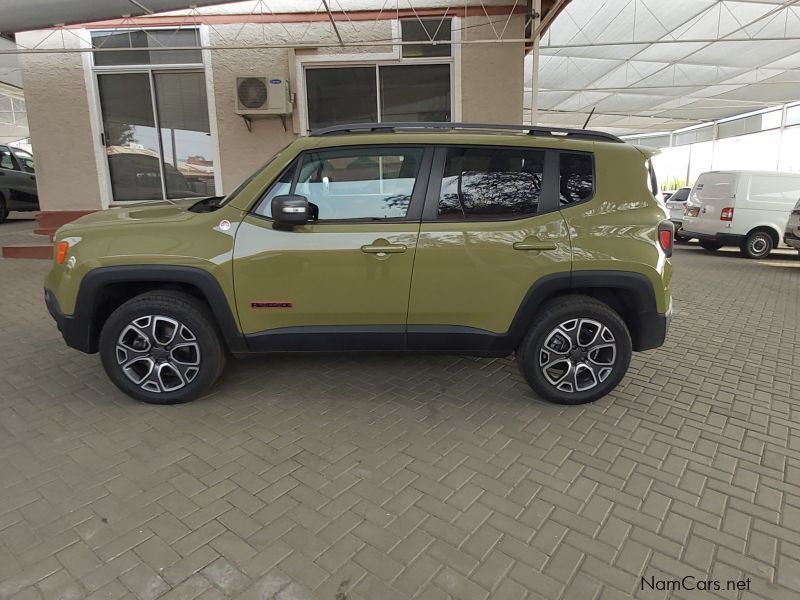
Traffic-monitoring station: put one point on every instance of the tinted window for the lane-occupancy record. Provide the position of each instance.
(576, 182)
(425, 30)
(682, 195)
(366, 183)
(341, 95)
(486, 183)
(25, 159)
(6, 162)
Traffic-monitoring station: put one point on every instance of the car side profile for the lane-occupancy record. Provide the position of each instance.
(17, 181)
(748, 209)
(481, 240)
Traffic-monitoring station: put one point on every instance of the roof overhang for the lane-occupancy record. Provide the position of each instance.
(25, 15)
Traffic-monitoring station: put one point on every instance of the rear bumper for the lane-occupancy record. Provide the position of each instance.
(652, 329)
(791, 240)
(73, 330)
(726, 239)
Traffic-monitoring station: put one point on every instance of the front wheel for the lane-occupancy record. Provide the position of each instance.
(758, 244)
(162, 348)
(3, 209)
(578, 351)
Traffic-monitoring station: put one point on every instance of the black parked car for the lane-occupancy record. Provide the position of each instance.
(17, 181)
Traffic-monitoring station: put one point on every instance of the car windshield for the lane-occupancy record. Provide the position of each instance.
(215, 202)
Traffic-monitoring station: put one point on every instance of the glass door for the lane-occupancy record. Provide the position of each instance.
(156, 134)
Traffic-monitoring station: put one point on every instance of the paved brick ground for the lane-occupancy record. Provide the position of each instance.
(382, 477)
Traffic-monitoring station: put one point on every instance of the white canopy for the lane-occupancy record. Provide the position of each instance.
(655, 65)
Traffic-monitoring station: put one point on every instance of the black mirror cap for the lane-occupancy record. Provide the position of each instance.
(290, 209)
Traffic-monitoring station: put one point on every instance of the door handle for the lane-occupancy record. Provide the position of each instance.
(535, 245)
(387, 249)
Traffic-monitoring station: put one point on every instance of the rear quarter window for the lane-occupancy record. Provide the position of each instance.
(576, 177)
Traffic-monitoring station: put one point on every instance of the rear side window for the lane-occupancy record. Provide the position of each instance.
(576, 177)
(682, 195)
(490, 183)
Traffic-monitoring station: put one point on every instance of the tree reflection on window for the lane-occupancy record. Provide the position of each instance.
(576, 182)
(483, 183)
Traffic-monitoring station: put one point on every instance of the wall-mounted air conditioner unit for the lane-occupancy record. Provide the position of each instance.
(262, 96)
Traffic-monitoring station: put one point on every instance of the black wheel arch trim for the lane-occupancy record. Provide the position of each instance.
(648, 327)
(82, 328)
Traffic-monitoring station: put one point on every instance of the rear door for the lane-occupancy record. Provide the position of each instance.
(491, 228)
(712, 192)
(27, 179)
(12, 180)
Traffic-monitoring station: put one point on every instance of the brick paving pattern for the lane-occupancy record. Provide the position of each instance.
(384, 476)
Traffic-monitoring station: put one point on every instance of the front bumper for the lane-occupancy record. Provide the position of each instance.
(75, 332)
(791, 240)
(726, 239)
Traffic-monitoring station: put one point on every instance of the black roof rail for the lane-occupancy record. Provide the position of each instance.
(584, 134)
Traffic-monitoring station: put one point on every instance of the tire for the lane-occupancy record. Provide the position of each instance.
(757, 244)
(679, 237)
(567, 319)
(143, 332)
(3, 209)
(710, 246)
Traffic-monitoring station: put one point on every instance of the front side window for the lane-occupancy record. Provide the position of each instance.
(576, 181)
(25, 159)
(487, 183)
(352, 183)
(6, 162)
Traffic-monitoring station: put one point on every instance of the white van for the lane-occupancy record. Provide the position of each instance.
(748, 209)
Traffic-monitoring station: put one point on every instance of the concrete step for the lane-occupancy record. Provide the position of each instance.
(42, 251)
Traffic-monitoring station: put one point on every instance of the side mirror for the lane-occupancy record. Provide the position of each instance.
(290, 210)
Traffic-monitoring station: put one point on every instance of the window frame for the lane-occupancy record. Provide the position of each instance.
(415, 206)
(548, 202)
(15, 166)
(594, 178)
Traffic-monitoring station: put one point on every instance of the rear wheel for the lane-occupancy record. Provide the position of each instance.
(757, 244)
(162, 348)
(578, 351)
(710, 246)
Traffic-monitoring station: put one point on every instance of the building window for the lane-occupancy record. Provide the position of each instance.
(143, 44)
(155, 118)
(425, 30)
(382, 93)
(576, 181)
(490, 183)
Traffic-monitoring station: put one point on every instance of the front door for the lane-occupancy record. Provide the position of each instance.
(341, 281)
(491, 229)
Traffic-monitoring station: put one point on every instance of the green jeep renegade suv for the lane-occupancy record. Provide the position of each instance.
(481, 240)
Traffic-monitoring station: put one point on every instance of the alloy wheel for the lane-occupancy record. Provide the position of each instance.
(158, 353)
(578, 355)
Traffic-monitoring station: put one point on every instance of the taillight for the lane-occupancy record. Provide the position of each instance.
(666, 235)
(726, 214)
(61, 252)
